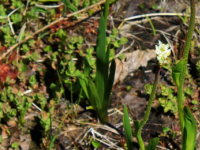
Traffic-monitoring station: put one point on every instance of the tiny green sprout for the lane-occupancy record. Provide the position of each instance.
(121, 56)
(95, 144)
(16, 18)
(194, 108)
(123, 40)
(86, 3)
(112, 54)
(48, 48)
(166, 129)
(154, 6)
(32, 80)
(15, 145)
(128, 87)
(148, 88)
(141, 6)
(114, 33)
(116, 44)
(25, 48)
(189, 91)
(195, 102)
(162, 51)
(125, 146)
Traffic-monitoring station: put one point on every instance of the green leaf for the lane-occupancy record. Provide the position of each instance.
(100, 62)
(123, 40)
(86, 68)
(48, 48)
(195, 102)
(96, 102)
(93, 95)
(176, 71)
(83, 83)
(32, 80)
(16, 17)
(69, 5)
(86, 3)
(15, 145)
(23, 68)
(154, 6)
(106, 65)
(42, 10)
(127, 129)
(166, 129)
(109, 84)
(189, 131)
(95, 144)
(153, 144)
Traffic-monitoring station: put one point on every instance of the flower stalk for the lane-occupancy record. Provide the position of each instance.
(184, 64)
(140, 125)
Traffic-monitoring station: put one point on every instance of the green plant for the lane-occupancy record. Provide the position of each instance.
(99, 92)
(187, 122)
(138, 125)
(167, 95)
(127, 129)
(15, 145)
(152, 26)
(189, 131)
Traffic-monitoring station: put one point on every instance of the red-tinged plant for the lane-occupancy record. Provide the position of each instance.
(6, 71)
(12, 57)
(3, 48)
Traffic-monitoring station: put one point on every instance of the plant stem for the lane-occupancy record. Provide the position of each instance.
(148, 110)
(184, 67)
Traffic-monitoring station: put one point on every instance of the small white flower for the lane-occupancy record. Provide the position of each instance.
(162, 51)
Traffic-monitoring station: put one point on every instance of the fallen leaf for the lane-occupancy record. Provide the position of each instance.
(132, 62)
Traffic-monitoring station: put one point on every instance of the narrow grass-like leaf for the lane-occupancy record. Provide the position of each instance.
(109, 84)
(106, 67)
(87, 68)
(83, 80)
(69, 5)
(94, 95)
(83, 84)
(153, 144)
(152, 26)
(190, 130)
(100, 58)
(127, 129)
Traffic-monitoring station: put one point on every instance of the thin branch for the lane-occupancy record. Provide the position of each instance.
(153, 15)
(12, 12)
(48, 6)
(11, 27)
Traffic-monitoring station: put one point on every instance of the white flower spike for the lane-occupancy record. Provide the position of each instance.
(162, 51)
